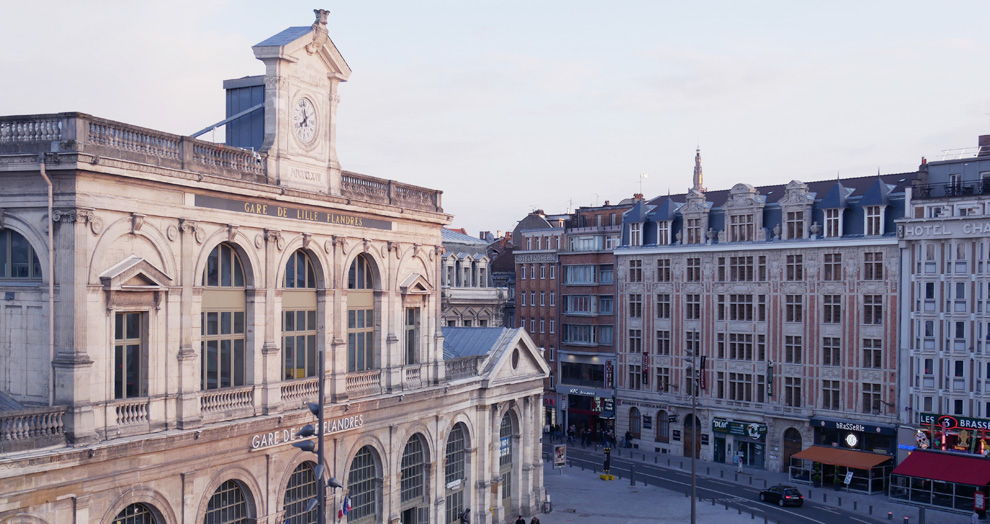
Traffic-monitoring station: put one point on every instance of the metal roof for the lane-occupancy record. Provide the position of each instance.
(461, 342)
(287, 36)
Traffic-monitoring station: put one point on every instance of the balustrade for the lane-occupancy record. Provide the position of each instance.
(364, 382)
(31, 424)
(226, 399)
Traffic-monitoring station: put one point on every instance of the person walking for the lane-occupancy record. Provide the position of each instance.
(535, 520)
(520, 520)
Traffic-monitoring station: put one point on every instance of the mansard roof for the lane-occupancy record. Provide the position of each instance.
(836, 197)
(665, 211)
(877, 195)
(638, 213)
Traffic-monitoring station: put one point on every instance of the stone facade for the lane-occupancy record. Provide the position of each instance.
(166, 302)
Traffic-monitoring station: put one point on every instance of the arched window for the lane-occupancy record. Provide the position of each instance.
(364, 486)
(136, 513)
(301, 489)
(663, 427)
(361, 337)
(17, 257)
(635, 422)
(228, 505)
(299, 317)
(455, 478)
(222, 320)
(505, 461)
(413, 478)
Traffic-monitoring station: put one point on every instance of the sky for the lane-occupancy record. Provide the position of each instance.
(509, 106)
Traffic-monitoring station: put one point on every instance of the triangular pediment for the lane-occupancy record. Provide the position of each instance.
(519, 358)
(134, 272)
(306, 44)
(415, 284)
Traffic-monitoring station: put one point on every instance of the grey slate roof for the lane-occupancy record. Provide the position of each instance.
(461, 342)
(285, 37)
(836, 197)
(448, 235)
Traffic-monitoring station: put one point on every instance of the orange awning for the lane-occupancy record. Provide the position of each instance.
(842, 457)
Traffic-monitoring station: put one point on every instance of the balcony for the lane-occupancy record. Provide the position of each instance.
(947, 190)
(31, 428)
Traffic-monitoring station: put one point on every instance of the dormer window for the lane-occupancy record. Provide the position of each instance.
(874, 220)
(741, 228)
(794, 225)
(636, 234)
(833, 223)
(663, 233)
(693, 230)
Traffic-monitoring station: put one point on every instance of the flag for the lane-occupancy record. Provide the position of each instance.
(345, 506)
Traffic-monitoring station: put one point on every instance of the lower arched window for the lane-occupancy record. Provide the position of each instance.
(228, 505)
(363, 484)
(301, 489)
(663, 427)
(455, 477)
(635, 422)
(136, 513)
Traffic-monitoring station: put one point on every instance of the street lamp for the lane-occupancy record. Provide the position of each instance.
(307, 431)
(694, 435)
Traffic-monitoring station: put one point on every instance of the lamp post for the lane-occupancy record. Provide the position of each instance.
(320, 501)
(694, 435)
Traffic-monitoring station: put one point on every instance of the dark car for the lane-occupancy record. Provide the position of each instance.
(782, 495)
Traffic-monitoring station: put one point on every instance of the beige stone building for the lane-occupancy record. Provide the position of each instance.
(165, 301)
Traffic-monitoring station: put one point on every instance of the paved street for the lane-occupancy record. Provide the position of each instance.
(579, 496)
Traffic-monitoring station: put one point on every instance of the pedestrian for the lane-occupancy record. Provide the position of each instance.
(466, 516)
(535, 520)
(520, 520)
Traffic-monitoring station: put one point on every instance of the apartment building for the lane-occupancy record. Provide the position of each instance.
(774, 308)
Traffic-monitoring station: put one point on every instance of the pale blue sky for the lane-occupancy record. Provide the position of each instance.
(511, 105)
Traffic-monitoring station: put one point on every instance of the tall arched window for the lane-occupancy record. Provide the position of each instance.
(364, 486)
(635, 422)
(361, 354)
(299, 317)
(136, 513)
(17, 258)
(228, 505)
(413, 494)
(455, 477)
(301, 489)
(505, 432)
(222, 320)
(663, 427)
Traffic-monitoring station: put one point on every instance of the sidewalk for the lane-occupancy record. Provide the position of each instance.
(589, 492)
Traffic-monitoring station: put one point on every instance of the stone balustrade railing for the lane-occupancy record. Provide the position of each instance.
(131, 411)
(462, 367)
(226, 399)
(82, 133)
(364, 383)
(30, 428)
(300, 390)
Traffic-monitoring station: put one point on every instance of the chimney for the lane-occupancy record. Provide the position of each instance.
(606, 202)
(637, 196)
(984, 145)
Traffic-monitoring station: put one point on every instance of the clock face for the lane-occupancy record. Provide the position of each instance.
(304, 120)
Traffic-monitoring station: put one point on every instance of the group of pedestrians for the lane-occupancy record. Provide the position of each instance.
(586, 435)
(534, 520)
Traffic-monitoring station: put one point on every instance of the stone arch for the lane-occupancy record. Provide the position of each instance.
(791, 443)
(323, 266)
(367, 440)
(35, 238)
(376, 262)
(458, 418)
(155, 501)
(244, 478)
(22, 518)
(429, 438)
(250, 262)
(406, 265)
(164, 257)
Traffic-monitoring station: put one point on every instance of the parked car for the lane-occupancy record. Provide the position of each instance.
(782, 495)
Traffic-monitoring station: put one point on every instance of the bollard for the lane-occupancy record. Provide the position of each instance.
(764, 483)
(713, 501)
(750, 481)
(855, 504)
(921, 515)
(810, 493)
(890, 515)
(907, 519)
(726, 506)
(708, 470)
(739, 509)
(721, 473)
(737, 477)
(871, 509)
(840, 502)
(824, 498)
(654, 459)
(632, 475)
(668, 462)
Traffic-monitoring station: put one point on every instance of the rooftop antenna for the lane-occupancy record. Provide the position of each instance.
(641, 177)
(596, 199)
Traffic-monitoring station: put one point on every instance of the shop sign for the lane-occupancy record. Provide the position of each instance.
(979, 501)
(267, 208)
(647, 422)
(753, 430)
(676, 435)
(609, 404)
(954, 422)
(505, 447)
(770, 378)
(286, 435)
(588, 392)
(704, 439)
(852, 426)
(609, 374)
(639, 404)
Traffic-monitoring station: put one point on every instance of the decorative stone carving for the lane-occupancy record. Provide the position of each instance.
(815, 229)
(190, 226)
(677, 237)
(137, 220)
(320, 34)
(275, 236)
(231, 232)
(307, 240)
(711, 235)
(172, 233)
(328, 247)
(259, 241)
(776, 232)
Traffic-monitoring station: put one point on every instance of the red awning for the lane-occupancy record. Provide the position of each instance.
(948, 467)
(842, 457)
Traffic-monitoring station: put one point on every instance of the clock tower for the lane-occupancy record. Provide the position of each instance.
(303, 71)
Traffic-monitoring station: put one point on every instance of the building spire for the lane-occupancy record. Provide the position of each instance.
(698, 183)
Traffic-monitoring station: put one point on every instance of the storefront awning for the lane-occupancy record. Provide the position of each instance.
(948, 467)
(608, 414)
(842, 457)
